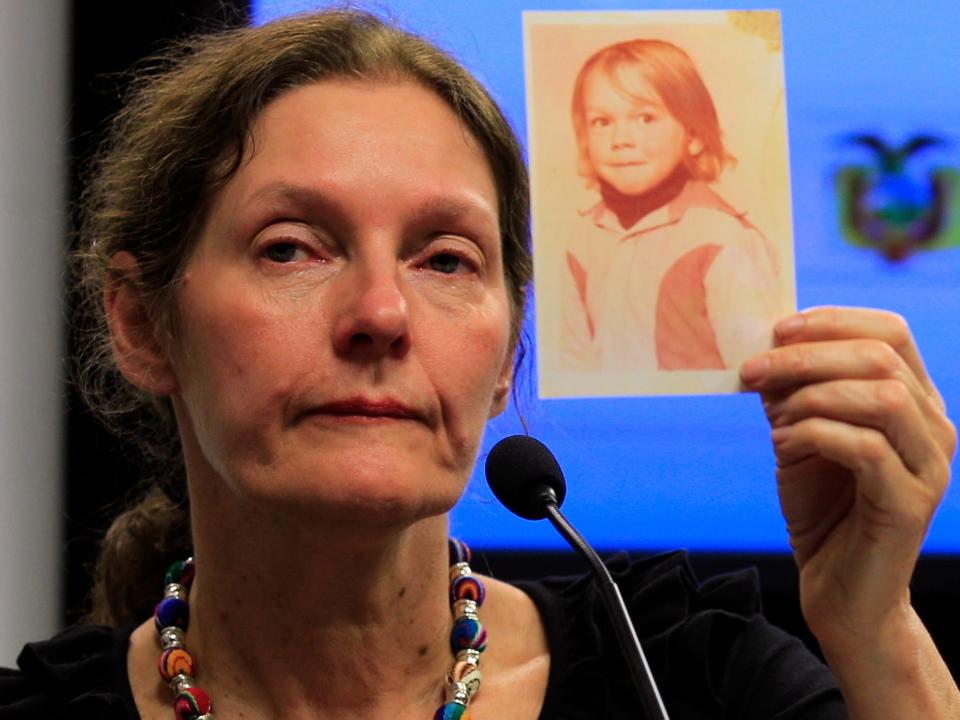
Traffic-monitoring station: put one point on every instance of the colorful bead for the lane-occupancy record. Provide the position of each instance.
(467, 587)
(468, 639)
(459, 552)
(181, 572)
(173, 573)
(468, 633)
(468, 674)
(452, 711)
(175, 661)
(191, 704)
(172, 612)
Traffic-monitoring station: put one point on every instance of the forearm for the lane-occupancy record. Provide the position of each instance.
(895, 673)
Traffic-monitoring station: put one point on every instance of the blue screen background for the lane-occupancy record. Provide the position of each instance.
(653, 473)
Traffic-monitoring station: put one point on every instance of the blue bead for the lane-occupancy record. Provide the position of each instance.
(451, 711)
(459, 552)
(467, 633)
(172, 612)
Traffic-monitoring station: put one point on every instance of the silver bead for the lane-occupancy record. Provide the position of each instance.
(469, 655)
(180, 682)
(458, 693)
(465, 608)
(175, 590)
(208, 716)
(171, 637)
(459, 570)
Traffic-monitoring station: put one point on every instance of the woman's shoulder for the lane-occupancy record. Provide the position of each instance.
(79, 673)
(711, 651)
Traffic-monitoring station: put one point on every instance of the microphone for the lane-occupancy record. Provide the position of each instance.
(526, 478)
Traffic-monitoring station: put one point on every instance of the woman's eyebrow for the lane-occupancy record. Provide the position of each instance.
(454, 208)
(444, 208)
(283, 196)
(282, 190)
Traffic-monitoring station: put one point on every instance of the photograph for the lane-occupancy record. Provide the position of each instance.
(661, 198)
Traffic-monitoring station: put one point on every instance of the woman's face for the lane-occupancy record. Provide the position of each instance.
(344, 327)
(633, 141)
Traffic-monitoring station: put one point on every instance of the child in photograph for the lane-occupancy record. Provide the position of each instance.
(661, 273)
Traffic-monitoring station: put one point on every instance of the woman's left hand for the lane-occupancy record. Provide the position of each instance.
(863, 451)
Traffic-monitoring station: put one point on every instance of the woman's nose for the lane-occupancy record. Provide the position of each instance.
(374, 319)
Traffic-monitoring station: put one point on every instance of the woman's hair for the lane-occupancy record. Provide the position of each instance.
(674, 77)
(180, 137)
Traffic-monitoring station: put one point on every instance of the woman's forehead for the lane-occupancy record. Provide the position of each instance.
(317, 144)
(332, 125)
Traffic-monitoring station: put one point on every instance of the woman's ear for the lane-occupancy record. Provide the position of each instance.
(134, 331)
(501, 392)
(694, 146)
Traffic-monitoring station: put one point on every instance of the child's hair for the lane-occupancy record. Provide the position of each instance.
(674, 77)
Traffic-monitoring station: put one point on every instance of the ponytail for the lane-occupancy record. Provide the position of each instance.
(134, 554)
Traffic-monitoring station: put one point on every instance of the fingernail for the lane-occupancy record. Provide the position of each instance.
(754, 369)
(789, 326)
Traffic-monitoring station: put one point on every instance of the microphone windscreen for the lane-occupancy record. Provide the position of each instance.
(522, 472)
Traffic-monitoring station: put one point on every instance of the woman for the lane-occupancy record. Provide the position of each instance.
(310, 244)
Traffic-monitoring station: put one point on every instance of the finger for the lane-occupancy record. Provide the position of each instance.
(834, 323)
(863, 359)
(890, 495)
(884, 405)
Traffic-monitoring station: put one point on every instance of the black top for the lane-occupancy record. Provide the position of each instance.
(711, 652)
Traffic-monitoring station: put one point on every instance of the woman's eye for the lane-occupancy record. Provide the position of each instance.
(446, 263)
(282, 252)
(599, 122)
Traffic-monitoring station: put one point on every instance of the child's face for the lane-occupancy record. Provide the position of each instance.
(633, 143)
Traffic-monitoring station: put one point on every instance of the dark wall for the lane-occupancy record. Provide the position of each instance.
(110, 36)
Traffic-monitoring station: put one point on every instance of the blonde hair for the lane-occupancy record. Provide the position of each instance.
(672, 74)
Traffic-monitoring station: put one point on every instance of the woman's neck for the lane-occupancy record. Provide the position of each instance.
(631, 209)
(323, 624)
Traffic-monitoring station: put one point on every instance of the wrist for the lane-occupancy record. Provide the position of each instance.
(893, 672)
(883, 642)
(869, 636)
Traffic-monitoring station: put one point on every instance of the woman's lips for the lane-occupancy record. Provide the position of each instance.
(367, 409)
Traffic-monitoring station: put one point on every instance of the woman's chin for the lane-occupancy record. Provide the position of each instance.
(355, 495)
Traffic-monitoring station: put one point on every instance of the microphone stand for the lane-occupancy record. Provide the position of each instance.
(613, 601)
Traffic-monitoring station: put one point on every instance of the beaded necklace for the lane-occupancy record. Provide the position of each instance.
(468, 639)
